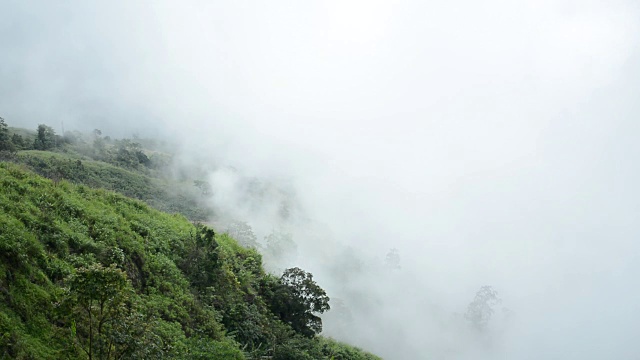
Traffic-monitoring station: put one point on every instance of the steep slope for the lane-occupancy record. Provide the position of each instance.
(88, 273)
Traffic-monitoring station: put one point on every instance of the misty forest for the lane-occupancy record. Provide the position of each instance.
(322, 180)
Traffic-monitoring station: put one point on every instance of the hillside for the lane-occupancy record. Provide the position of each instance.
(162, 194)
(89, 273)
(121, 165)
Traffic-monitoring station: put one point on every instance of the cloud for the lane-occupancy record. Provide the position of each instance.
(490, 142)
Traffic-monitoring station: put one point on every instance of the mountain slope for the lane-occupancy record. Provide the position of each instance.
(88, 273)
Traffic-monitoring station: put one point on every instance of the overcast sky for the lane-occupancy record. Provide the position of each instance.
(491, 142)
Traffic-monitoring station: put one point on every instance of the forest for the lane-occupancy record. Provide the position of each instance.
(104, 257)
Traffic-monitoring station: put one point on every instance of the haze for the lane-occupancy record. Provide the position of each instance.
(491, 143)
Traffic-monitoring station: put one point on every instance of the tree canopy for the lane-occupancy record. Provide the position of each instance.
(296, 298)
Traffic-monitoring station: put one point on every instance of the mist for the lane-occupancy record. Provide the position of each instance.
(490, 143)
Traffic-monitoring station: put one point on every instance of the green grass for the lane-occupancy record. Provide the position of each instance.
(188, 293)
(163, 194)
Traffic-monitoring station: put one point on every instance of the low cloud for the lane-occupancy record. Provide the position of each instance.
(490, 143)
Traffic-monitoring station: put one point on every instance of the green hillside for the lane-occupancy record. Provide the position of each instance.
(89, 273)
(134, 168)
(162, 194)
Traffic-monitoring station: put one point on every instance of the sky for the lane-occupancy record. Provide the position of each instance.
(491, 143)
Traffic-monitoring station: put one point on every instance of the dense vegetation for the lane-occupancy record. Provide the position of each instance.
(100, 162)
(90, 273)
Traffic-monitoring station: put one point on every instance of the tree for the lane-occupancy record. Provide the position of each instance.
(480, 310)
(18, 141)
(45, 138)
(5, 141)
(201, 257)
(128, 154)
(243, 233)
(296, 299)
(4, 131)
(104, 321)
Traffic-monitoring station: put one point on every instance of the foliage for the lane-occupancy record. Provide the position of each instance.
(242, 232)
(298, 348)
(154, 192)
(5, 141)
(296, 299)
(335, 350)
(46, 138)
(480, 310)
(101, 313)
(100, 162)
(92, 274)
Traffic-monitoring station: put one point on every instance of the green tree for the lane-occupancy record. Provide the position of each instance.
(18, 141)
(5, 141)
(201, 258)
(104, 321)
(45, 138)
(129, 154)
(296, 298)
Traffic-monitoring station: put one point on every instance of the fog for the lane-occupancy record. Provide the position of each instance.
(490, 143)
